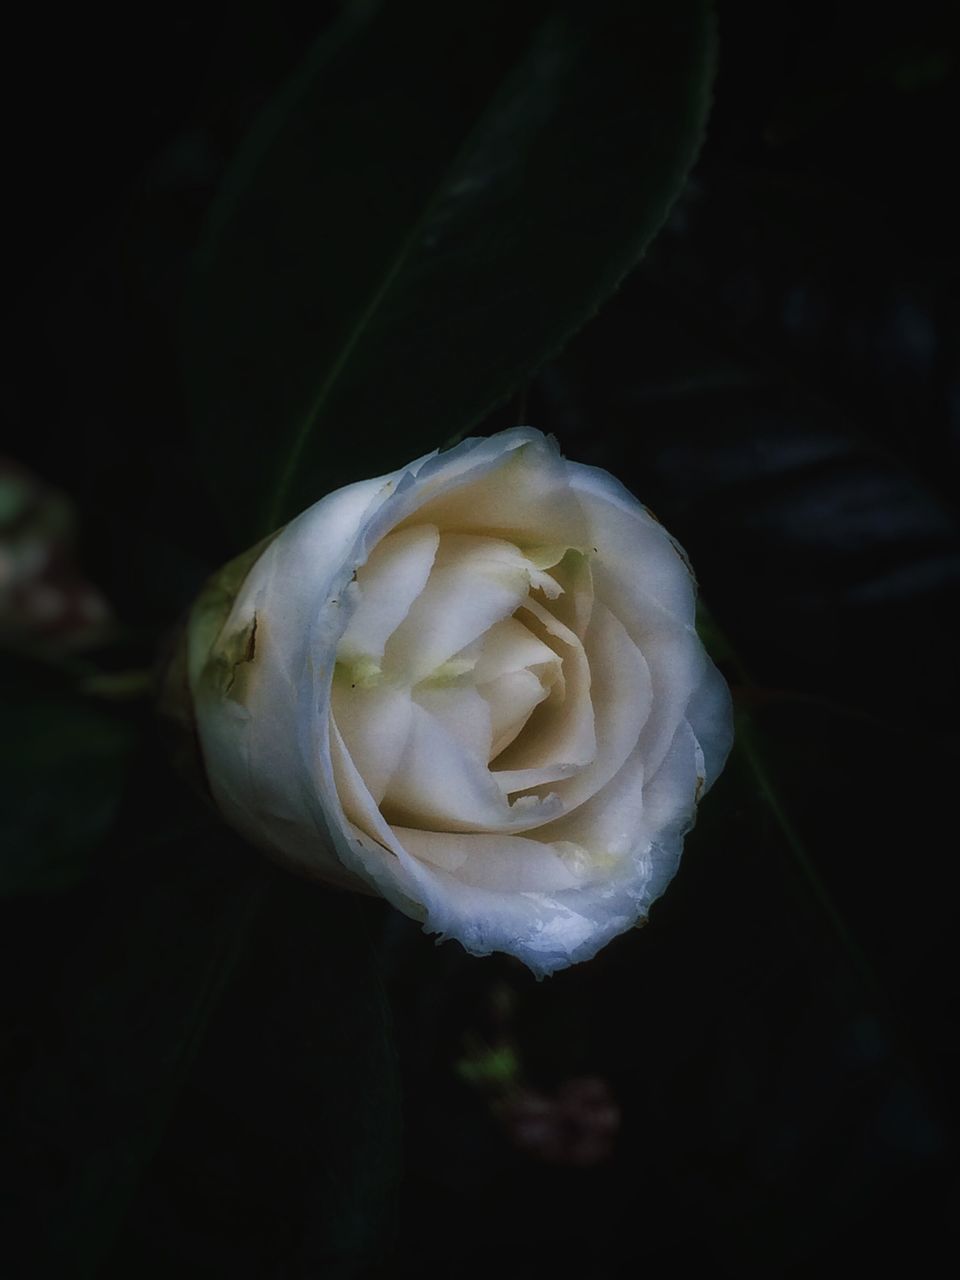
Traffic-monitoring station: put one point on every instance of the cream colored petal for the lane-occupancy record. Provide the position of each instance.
(547, 930)
(436, 474)
(670, 795)
(375, 724)
(246, 723)
(710, 715)
(439, 786)
(387, 585)
(560, 733)
(622, 697)
(510, 646)
(507, 864)
(462, 713)
(575, 578)
(609, 824)
(472, 587)
(515, 671)
(303, 569)
(670, 808)
(352, 793)
(511, 699)
(638, 816)
(511, 781)
(677, 664)
(523, 495)
(670, 646)
(643, 560)
(442, 849)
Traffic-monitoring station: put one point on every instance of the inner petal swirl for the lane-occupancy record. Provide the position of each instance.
(447, 655)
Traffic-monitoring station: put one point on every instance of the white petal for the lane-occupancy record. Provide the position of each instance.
(304, 570)
(515, 672)
(710, 715)
(575, 578)
(353, 796)
(677, 664)
(524, 496)
(547, 930)
(375, 723)
(445, 850)
(511, 698)
(641, 560)
(622, 697)
(387, 585)
(609, 824)
(560, 735)
(440, 786)
(462, 713)
(475, 583)
(670, 808)
(505, 863)
(510, 646)
(250, 746)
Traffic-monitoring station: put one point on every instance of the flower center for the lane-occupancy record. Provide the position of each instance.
(460, 693)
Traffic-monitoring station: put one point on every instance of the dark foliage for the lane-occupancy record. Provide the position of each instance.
(196, 1050)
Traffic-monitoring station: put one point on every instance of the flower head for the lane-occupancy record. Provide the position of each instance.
(473, 686)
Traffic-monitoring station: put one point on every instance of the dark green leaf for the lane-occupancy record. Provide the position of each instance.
(63, 765)
(419, 221)
(754, 404)
(285, 1142)
(140, 991)
(759, 1032)
(219, 1032)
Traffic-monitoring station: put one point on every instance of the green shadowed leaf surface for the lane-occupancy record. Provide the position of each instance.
(421, 218)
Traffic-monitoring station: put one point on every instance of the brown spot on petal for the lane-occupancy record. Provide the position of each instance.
(234, 660)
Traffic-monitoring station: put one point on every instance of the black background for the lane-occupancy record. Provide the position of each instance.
(778, 380)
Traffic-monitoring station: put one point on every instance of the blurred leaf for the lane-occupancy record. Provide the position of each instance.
(789, 423)
(778, 1089)
(285, 1144)
(63, 765)
(753, 750)
(821, 795)
(223, 1019)
(422, 218)
(485, 1066)
(776, 1105)
(128, 1023)
(783, 405)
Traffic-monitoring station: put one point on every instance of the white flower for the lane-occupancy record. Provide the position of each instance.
(473, 686)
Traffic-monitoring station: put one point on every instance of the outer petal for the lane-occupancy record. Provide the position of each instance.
(247, 681)
(285, 621)
(388, 584)
(632, 547)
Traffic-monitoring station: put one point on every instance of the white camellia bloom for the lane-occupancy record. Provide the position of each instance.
(473, 686)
